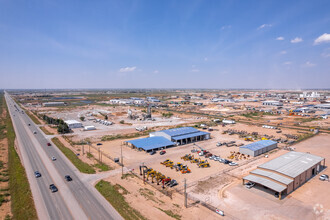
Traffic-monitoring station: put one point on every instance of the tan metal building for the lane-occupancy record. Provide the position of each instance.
(286, 173)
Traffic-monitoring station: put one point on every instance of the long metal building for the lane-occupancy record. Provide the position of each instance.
(286, 173)
(257, 148)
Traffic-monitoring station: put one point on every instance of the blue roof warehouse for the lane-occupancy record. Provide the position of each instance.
(258, 147)
(170, 137)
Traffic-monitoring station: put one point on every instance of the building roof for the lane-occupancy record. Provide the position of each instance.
(191, 135)
(272, 175)
(292, 164)
(265, 182)
(72, 122)
(180, 131)
(259, 145)
(151, 143)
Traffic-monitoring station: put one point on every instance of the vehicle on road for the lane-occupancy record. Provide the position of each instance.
(162, 152)
(227, 161)
(68, 178)
(152, 152)
(233, 164)
(34, 132)
(37, 174)
(324, 177)
(220, 212)
(53, 158)
(48, 144)
(98, 144)
(53, 188)
(29, 124)
(249, 185)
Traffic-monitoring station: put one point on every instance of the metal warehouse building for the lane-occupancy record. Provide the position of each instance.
(170, 137)
(286, 173)
(184, 135)
(150, 143)
(258, 147)
(73, 124)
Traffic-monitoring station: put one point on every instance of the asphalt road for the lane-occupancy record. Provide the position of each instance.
(75, 199)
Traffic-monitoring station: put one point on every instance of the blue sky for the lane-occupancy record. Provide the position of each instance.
(165, 44)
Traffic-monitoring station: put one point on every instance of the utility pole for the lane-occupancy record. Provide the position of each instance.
(99, 154)
(185, 193)
(83, 149)
(122, 163)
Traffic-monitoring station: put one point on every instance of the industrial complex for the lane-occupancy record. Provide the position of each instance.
(190, 151)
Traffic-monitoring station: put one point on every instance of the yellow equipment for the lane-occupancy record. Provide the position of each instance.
(264, 138)
(187, 170)
(204, 165)
(165, 162)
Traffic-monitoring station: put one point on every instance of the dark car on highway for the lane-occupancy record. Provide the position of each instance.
(162, 152)
(37, 174)
(53, 188)
(68, 178)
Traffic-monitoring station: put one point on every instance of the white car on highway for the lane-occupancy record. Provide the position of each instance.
(53, 158)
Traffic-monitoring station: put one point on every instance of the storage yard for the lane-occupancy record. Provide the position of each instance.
(213, 143)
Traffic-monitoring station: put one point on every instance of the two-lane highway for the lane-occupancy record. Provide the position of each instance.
(75, 199)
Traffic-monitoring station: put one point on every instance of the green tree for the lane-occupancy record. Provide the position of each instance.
(106, 117)
(82, 118)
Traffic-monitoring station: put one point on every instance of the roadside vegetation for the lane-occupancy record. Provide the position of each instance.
(81, 166)
(171, 214)
(46, 131)
(115, 196)
(62, 127)
(33, 117)
(22, 204)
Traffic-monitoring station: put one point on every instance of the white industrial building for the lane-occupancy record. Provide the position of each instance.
(73, 124)
(272, 103)
(226, 121)
(89, 128)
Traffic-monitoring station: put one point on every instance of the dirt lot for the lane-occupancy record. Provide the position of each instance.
(149, 201)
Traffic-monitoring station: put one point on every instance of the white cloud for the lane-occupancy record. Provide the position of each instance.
(324, 38)
(280, 38)
(287, 63)
(283, 52)
(264, 26)
(225, 27)
(309, 64)
(156, 71)
(127, 69)
(326, 53)
(195, 70)
(296, 40)
(205, 59)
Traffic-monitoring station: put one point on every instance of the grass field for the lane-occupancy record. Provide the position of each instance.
(33, 117)
(22, 205)
(46, 131)
(81, 166)
(117, 200)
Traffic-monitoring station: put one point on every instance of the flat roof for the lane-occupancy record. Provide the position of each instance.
(259, 145)
(191, 135)
(72, 122)
(180, 131)
(151, 143)
(292, 164)
(272, 175)
(265, 182)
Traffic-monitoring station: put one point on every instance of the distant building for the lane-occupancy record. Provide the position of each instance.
(52, 104)
(89, 128)
(226, 121)
(272, 103)
(73, 124)
(322, 106)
